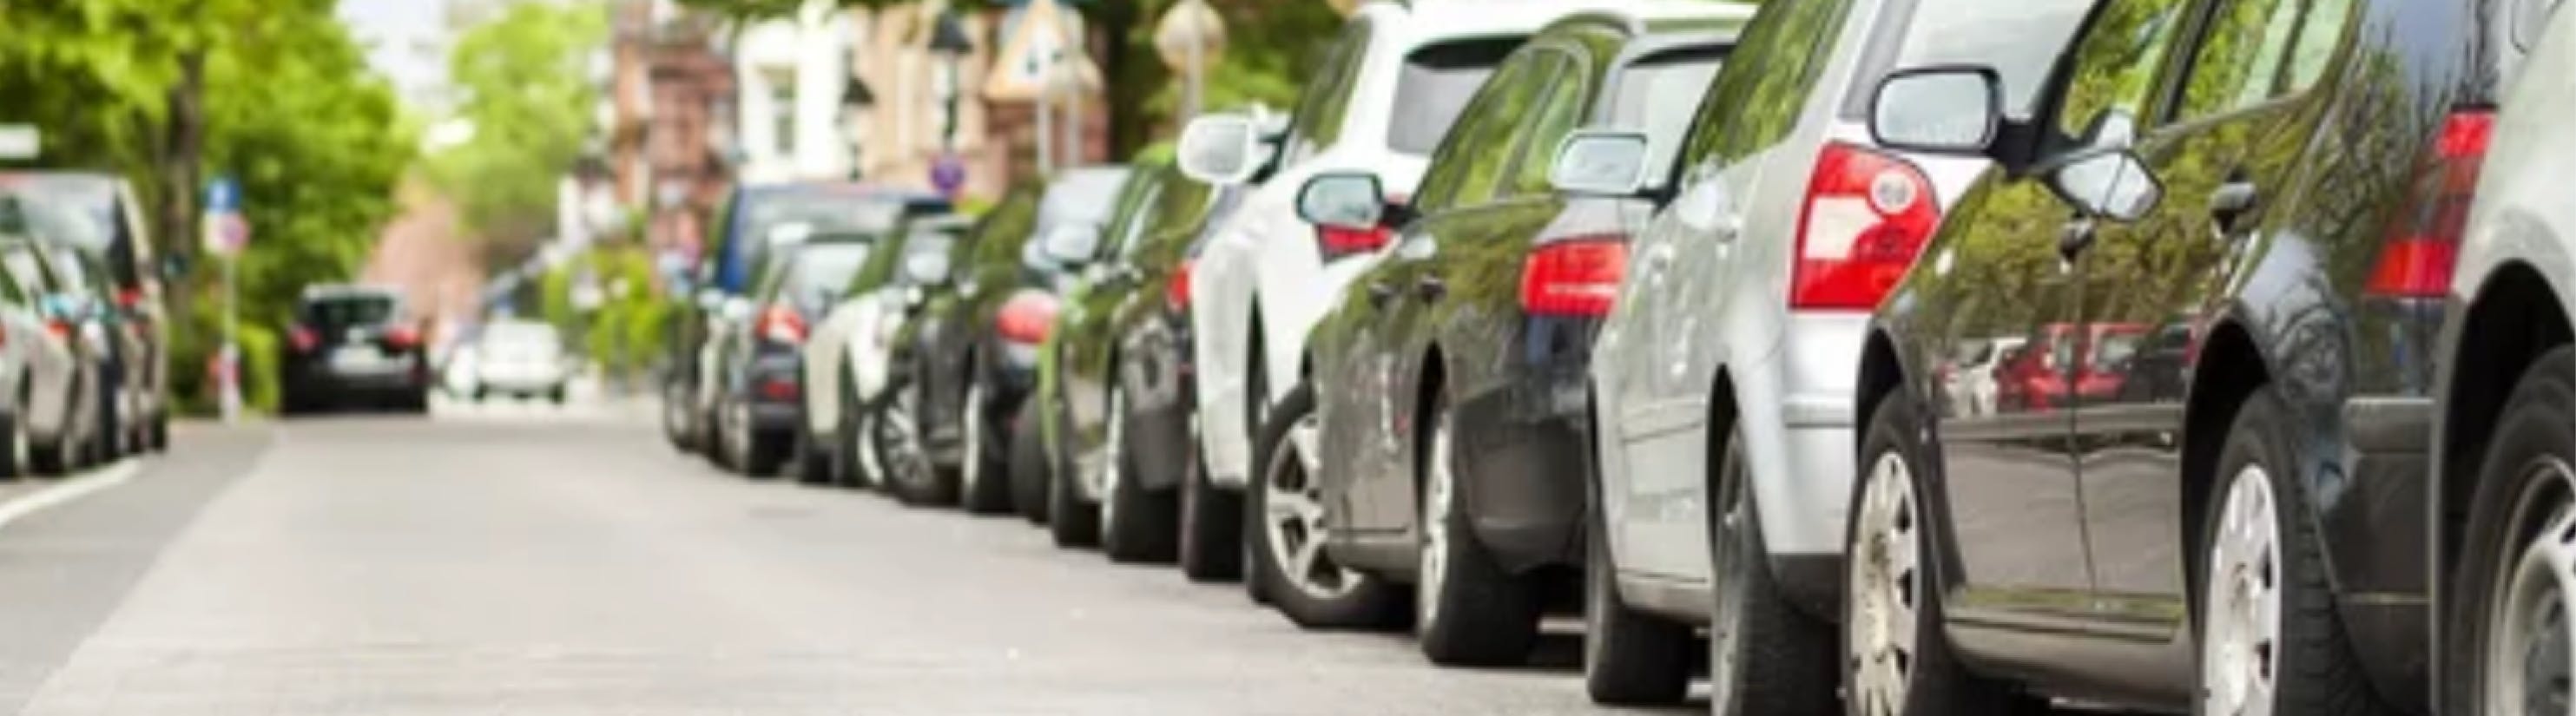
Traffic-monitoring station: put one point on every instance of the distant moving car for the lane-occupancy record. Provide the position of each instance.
(850, 359)
(1114, 376)
(50, 367)
(760, 385)
(118, 237)
(973, 359)
(2505, 459)
(520, 358)
(353, 345)
(1449, 388)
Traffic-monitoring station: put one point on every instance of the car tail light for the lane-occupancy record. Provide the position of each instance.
(1867, 215)
(403, 337)
(129, 299)
(1177, 293)
(303, 338)
(778, 389)
(781, 324)
(1026, 318)
(1574, 277)
(60, 328)
(2425, 240)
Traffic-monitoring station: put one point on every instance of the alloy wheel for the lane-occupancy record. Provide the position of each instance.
(2240, 645)
(1293, 516)
(2529, 637)
(1114, 473)
(1887, 590)
(1439, 487)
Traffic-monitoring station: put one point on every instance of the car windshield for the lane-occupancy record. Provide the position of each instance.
(2020, 39)
(1434, 86)
(84, 207)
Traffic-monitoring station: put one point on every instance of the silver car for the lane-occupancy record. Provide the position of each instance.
(1723, 378)
(47, 368)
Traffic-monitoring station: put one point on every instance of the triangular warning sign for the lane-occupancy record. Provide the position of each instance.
(1038, 38)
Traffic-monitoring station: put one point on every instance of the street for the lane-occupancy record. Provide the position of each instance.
(517, 559)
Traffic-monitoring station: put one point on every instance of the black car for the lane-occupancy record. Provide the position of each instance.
(1449, 378)
(973, 351)
(2279, 184)
(353, 345)
(1114, 383)
(761, 389)
(753, 219)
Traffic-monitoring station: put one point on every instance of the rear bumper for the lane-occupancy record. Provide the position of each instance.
(1524, 448)
(774, 389)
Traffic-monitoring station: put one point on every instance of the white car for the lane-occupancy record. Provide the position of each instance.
(1384, 95)
(44, 365)
(849, 358)
(521, 358)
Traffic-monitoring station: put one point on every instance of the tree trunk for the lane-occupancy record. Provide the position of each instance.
(181, 164)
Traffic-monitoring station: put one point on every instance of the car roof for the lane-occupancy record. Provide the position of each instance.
(1426, 21)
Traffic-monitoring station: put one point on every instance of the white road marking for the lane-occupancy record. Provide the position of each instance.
(64, 492)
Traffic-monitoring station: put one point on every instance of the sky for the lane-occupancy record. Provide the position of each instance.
(394, 32)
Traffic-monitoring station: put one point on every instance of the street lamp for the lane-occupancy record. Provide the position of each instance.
(856, 98)
(949, 45)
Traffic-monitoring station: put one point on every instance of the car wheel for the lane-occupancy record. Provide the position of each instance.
(1256, 406)
(557, 394)
(158, 433)
(909, 471)
(1765, 657)
(811, 458)
(1630, 658)
(1071, 522)
(14, 460)
(1298, 577)
(675, 417)
(1896, 661)
(1468, 611)
(2270, 639)
(1028, 465)
(2509, 630)
(983, 480)
(854, 463)
(1211, 529)
(1135, 523)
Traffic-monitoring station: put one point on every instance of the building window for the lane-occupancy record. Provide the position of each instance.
(782, 114)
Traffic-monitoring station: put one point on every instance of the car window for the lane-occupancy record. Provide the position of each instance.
(1559, 110)
(1318, 121)
(74, 272)
(2261, 50)
(1758, 96)
(1657, 94)
(2020, 39)
(1435, 85)
(822, 270)
(2116, 62)
(331, 314)
(1469, 162)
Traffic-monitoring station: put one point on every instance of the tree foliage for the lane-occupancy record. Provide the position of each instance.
(528, 97)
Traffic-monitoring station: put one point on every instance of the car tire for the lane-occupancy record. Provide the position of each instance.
(1468, 610)
(851, 457)
(1070, 521)
(1896, 658)
(558, 394)
(2519, 512)
(1296, 573)
(1136, 524)
(983, 473)
(812, 462)
(1256, 405)
(1029, 467)
(14, 458)
(2259, 562)
(1211, 526)
(675, 417)
(1630, 658)
(49, 459)
(1765, 656)
(909, 473)
(157, 434)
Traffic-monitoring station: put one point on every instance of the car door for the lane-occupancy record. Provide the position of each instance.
(2245, 89)
(1084, 339)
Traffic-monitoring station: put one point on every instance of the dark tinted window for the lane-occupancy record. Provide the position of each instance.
(1436, 82)
(1657, 93)
(1764, 87)
(1327, 97)
(2020, 39)
(336, 312)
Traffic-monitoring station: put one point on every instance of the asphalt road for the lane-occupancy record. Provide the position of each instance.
(520, 559)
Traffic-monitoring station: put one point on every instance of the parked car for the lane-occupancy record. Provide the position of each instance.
(51, 369)
(1384, 94)
(1448, 381)
(1113, 379)
(2065, 364)
(104, 338)
(974, 355)
(850, 360)
(2288, 178)
(760, 397)
(1970, 380)
(1720, 377)
(118, 237)
(353, 345)
(2506, 396)
(754, 219)
(520, 358)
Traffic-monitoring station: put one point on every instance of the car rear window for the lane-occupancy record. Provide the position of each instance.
(1658, 93)
(2020, 39)
(822, 270)
(338, 312)
(1435, 84)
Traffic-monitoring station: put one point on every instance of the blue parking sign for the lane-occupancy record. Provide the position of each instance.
(222, 195)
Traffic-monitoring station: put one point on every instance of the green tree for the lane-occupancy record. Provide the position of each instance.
(529, 100)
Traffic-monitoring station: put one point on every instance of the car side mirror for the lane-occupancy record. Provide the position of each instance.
(2110, 184)
(1221, 149)
(928, 268)
(1343, 200)
(1071, 245)
(1599, 162)
(1942, 109)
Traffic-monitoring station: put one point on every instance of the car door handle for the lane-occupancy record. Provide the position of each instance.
(1430, 288)
(2231, 203)
(1380, 292)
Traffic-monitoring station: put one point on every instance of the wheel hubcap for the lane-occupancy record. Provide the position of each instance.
(1295, 524)
(2528, 635)
(1113, 476)
(2240, 651)
(1886, 589)
(1438, 488)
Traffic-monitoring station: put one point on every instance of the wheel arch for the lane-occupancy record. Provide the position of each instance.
(2228, 369)
(2510, 322)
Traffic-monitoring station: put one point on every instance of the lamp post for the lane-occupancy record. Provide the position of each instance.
(1189, 37)
(950, 46)
(856, 98)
